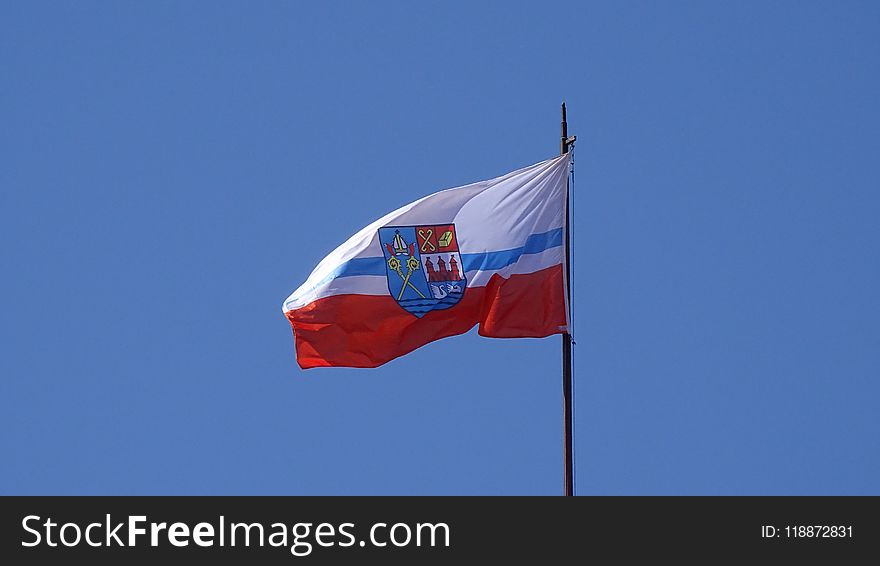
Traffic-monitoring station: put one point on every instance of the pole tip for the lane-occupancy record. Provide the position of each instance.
(563, 111)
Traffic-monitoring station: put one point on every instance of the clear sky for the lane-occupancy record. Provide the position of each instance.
(171, 171)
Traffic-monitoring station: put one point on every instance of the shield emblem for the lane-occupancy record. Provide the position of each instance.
(423, 267)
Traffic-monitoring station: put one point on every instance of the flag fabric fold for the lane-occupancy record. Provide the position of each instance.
(490, 254)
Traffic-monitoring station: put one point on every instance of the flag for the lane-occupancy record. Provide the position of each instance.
(490, 254)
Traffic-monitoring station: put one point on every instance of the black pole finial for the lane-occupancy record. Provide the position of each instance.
(563, 142)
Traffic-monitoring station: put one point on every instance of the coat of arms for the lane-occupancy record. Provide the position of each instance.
(423, 267)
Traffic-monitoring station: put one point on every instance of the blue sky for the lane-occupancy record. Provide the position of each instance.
(171, 171)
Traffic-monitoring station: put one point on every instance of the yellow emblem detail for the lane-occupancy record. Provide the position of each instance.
(445, 239)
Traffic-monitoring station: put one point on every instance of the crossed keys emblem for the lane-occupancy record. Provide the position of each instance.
(425, 235)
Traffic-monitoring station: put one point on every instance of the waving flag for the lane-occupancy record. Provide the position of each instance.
(488, 254)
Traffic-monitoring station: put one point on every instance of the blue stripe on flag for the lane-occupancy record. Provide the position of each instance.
(484, 261)
(535, 243)
(361, 266)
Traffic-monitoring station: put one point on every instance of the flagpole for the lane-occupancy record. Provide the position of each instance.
(568, 458)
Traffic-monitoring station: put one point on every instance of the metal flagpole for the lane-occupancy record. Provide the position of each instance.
(566, 337)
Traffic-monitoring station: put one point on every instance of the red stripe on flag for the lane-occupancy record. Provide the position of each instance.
(369, 330)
